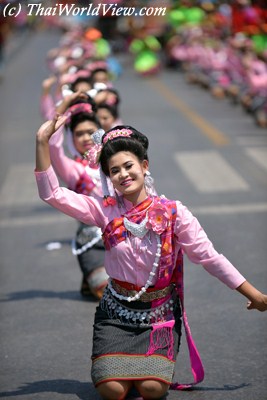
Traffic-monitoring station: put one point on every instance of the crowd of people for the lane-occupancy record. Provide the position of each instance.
(223, 49)
(80, 82)
(130, 241)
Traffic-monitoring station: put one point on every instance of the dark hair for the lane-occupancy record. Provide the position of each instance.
(113, 91)
(79, 80)
(137, 144)
(88, 100)
(81, 117)
(111, 108)
(100, 69)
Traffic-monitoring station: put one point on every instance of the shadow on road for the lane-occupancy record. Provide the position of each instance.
(84, 390)
(46, 294)
(223, 388)
(62, 386)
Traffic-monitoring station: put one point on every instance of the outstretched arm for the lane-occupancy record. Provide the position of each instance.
(43, 135)
(256, 299)
(194, 241)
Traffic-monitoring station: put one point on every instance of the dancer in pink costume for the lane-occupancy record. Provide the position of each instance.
(78, 176)
(137, 325)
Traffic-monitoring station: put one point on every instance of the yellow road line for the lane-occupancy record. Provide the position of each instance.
(214, 134)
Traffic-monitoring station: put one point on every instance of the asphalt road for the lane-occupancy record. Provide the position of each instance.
(204, 152)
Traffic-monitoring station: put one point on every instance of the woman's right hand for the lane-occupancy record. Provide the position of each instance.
(48, 83)
(43, 135)
(69, 99)
(48, 128)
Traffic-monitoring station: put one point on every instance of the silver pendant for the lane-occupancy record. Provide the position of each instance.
(138, 230)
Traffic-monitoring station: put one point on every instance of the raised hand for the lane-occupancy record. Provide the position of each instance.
(43, 135)
(67, 100)
(47, 129)
(48, 83)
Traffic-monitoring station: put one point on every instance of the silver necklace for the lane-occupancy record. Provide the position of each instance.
(138, 230)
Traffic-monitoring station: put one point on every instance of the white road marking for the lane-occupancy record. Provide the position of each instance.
(20, 189)
(209, 172)
(220, 209)
(252, 140)
(259, 155)
(224, 209)
(19, 186)
(36, 221)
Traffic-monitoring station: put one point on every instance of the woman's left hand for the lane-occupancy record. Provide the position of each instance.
(256, 299)
(259, 304)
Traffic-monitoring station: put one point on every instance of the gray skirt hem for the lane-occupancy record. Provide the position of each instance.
(130, 350)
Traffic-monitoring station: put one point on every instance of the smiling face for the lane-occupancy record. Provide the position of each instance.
(82, 136)
(127, 173)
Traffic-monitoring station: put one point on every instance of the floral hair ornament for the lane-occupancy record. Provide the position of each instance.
(117, 133)
(78, 108)
(93, 155)
(97, 65)
(94, 152)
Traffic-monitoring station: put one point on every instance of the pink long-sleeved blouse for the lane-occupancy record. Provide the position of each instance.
(132, 259)
(68, 169)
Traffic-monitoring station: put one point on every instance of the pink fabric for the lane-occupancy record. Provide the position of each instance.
(161, 336)
(78, 108)
(197, 368)
(131, 260)
(47, 107)
(67, 169)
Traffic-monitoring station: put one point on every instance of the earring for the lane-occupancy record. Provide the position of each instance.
(149, 184)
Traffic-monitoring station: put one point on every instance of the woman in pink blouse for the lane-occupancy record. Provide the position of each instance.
(79, 177)
(137, 325)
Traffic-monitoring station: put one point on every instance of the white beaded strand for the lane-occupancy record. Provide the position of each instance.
(86, 246)
(148, 282)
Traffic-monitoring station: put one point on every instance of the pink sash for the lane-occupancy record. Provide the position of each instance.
(115, 232)
(195, 359)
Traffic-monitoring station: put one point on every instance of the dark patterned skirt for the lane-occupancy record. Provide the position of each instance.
(135, 341)
(89, 248)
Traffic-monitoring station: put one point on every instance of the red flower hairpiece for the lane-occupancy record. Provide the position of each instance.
(109, 201)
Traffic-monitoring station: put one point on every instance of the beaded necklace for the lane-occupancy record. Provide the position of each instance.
(148, 282)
